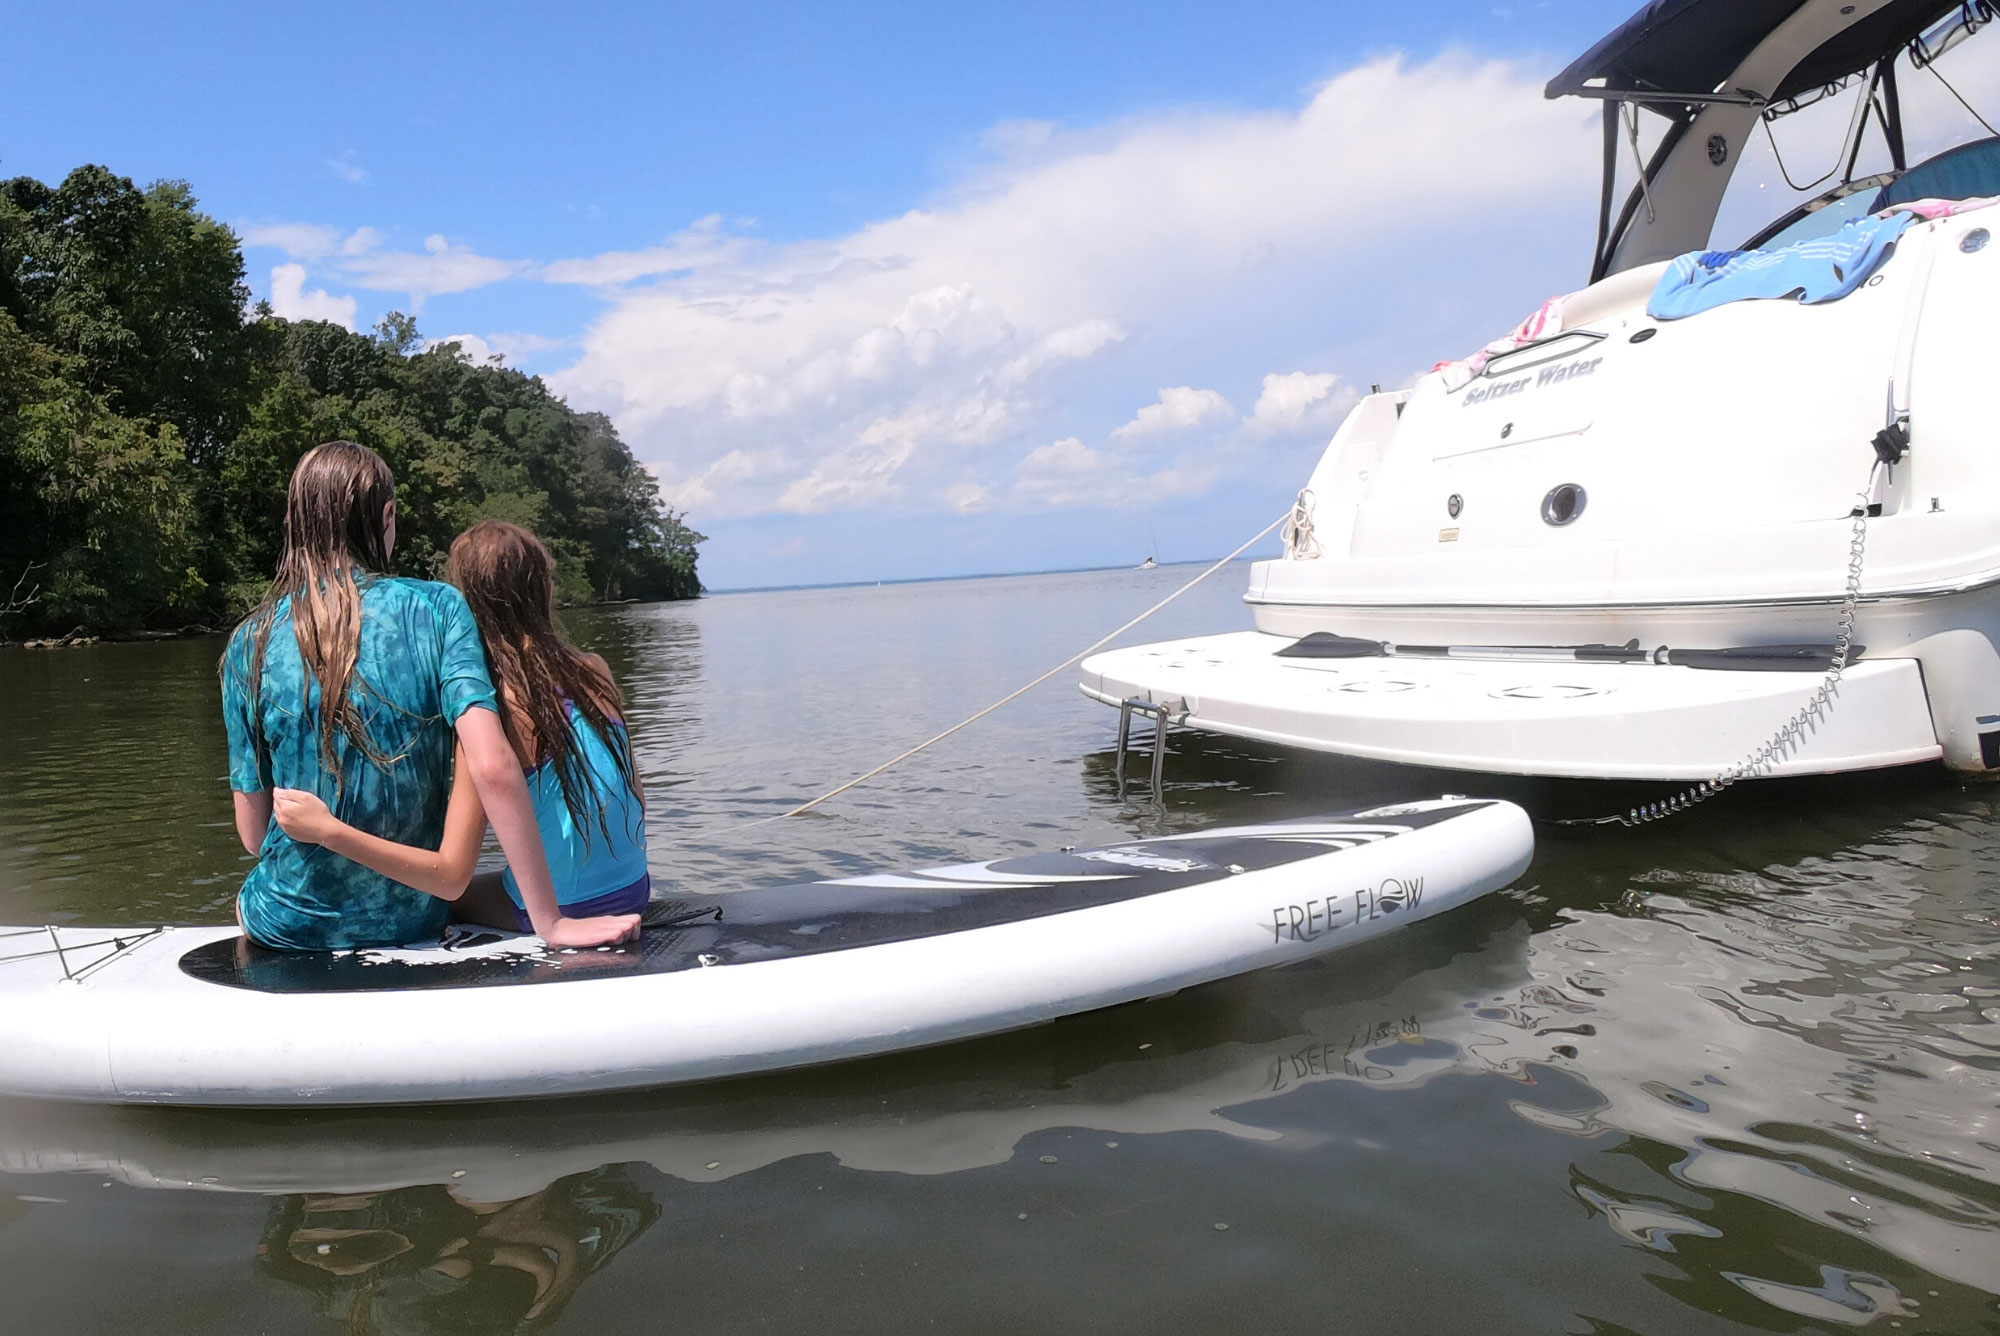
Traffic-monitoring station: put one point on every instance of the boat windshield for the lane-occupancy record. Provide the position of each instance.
(1823, 216)
(1965, 172)
(1909, 119)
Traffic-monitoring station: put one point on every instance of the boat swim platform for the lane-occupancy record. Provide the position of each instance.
(1562, 718)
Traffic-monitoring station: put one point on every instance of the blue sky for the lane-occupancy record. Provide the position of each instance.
(536, 129)
(879, 290)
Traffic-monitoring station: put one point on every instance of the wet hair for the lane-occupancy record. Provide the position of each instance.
(509, 579)
(336, 540)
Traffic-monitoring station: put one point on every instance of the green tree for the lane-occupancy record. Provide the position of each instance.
(148, 426)
(398, 333)
(99, 505)
(139, 286)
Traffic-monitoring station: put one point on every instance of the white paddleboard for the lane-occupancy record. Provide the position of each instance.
(744, 982)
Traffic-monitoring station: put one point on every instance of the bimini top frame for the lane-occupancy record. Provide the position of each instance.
(1712, 68)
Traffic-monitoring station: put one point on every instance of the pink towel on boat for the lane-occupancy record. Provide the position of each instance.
(1546, 320)
(1929, 209)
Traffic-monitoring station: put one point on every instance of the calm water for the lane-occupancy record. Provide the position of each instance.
(1739, 1072)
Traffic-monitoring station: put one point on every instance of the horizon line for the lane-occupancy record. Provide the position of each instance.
(939, 579)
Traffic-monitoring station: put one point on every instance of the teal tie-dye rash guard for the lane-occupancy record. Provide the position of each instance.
(421, 665)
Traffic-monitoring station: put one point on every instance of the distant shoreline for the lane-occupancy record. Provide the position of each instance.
(941, 579)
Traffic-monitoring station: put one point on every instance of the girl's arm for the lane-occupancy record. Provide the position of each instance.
(442, 872)
(504, 790)
(253, 818)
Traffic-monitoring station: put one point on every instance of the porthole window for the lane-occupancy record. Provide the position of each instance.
(1563, 504)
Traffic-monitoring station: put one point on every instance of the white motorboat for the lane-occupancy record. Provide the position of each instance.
(1631, 542)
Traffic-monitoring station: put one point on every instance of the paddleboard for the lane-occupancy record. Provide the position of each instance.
(731, 984)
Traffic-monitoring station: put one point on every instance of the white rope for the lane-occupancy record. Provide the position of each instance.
(1300, 542)
(1010, 697)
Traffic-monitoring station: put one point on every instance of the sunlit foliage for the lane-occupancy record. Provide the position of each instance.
(149, 420)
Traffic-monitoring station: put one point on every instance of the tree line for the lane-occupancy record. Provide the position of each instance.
(150, 418)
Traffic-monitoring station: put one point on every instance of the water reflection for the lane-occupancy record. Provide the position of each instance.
(429, 1259)
(112, 794)
(1810, 1046)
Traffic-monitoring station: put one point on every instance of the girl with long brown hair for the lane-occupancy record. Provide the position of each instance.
(350, 685)
(561, 712)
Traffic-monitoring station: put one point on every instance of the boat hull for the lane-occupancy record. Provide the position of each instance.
(1638, 721)
(1949, 638)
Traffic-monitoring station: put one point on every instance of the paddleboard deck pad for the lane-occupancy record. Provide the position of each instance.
(734, 983)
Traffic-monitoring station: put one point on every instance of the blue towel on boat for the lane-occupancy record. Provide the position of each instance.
(1822, 269)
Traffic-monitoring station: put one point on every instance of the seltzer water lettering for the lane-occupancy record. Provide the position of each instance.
(1549, 375)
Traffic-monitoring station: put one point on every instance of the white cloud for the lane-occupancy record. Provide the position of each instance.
(470, 346)
(915, 359)
(439, 267)
(864, 471)
(509, 348)
(1019, 138)
(967, 498)
(702, 245)
(1075, 342)
(1062, 473)
(363, 259)
(347, 166)
(1179, 409)
(1298, 400)
(1183, 479)
(291, 299)
(736, 467)
(1068, 473)
(301, 241)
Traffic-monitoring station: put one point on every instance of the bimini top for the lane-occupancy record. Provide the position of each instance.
(1677, 51)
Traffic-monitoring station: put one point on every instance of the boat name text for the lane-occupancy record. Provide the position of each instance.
(1343, 909)
(1549, 375)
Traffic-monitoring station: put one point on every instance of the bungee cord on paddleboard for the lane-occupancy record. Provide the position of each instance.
(1288, 517)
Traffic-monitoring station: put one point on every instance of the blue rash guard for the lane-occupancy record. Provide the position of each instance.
(420, 665)
(596, 869)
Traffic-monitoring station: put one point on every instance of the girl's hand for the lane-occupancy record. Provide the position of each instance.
(301, 815)
(609, 930)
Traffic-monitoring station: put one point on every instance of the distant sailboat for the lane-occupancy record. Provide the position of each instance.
(1153, 557)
